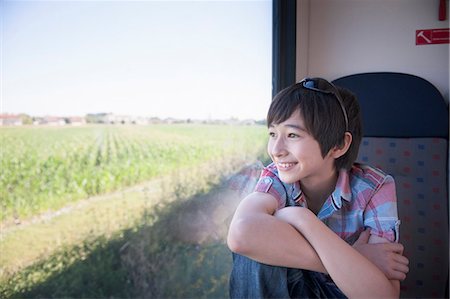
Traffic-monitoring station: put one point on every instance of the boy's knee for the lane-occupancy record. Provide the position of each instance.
(251, 279)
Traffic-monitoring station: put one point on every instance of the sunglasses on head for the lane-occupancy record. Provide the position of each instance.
(323, 86)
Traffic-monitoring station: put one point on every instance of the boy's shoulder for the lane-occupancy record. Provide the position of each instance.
(363, 176)
(368, 173)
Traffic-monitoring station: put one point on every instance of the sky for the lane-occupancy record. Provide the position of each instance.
(181, 59)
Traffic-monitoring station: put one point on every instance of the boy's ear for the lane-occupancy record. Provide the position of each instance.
(339, 151)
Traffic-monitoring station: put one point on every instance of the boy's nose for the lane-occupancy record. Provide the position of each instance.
(278, 149)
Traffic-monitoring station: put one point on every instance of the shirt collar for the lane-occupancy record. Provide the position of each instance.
(342, 190)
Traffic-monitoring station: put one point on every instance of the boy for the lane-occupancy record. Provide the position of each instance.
(292, 237)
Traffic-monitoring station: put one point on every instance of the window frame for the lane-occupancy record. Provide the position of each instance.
(283, 44)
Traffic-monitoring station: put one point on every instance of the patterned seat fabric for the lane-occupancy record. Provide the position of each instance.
(406, 129)
(419, 168)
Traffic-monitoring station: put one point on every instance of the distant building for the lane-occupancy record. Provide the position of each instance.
(109, 118)
(140, 120)
(248, 122)
(119, 119)
(11, 120)
(75, 120)
(53, 121)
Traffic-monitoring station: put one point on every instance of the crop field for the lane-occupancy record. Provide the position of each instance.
(148, 209)
(46, 168)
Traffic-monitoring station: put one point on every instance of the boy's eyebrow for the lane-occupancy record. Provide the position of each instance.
(294, 126)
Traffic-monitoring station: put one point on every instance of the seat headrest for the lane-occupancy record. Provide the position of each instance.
(398, 105)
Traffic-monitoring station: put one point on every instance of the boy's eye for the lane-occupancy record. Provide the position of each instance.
(271, 134)
(292, 135)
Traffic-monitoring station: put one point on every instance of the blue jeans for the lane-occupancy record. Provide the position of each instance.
(251, 279)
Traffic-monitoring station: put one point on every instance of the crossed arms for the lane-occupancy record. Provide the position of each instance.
(294, 237)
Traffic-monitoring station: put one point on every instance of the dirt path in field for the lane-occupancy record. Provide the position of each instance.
(199, 218)
(9, 226)
(202, 217)
(215, 207)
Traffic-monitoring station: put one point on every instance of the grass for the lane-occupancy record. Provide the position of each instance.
(99, 269)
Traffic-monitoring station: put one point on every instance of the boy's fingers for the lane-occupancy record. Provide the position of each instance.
(397, 275)
(363, 237)
(402, 268)
(394, 247)
(401, 276)
(402, 259)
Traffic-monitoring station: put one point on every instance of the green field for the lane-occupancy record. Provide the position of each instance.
(136, 211)
(46, 168)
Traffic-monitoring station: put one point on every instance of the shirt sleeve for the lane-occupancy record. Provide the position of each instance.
(381, 214)
(270, 183)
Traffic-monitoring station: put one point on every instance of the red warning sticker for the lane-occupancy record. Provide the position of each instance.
(432, 36)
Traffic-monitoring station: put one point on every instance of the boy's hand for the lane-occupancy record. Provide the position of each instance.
(388, 257)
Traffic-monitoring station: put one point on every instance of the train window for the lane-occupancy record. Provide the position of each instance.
(122, 124)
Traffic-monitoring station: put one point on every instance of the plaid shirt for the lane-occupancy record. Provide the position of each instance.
(364, 198)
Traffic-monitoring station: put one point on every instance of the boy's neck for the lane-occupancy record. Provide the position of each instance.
(316, 191)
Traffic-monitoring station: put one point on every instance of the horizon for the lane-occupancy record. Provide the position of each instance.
(125, 115)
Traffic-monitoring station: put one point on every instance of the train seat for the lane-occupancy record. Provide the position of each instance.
(405, 125)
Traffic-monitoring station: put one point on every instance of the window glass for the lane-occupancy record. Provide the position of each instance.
(129, 130)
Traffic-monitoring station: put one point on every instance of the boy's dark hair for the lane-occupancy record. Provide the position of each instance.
(323, 117)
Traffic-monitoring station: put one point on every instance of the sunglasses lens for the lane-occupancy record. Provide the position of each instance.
(309, 84)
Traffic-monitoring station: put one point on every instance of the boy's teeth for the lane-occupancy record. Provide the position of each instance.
(285, 165)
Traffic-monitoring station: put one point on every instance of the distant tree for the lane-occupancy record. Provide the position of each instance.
(26, 119)
(91, 118)
(95, 118)
(261, 122)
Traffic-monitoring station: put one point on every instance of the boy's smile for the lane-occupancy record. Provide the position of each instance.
(297, 154)
(285, 166)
